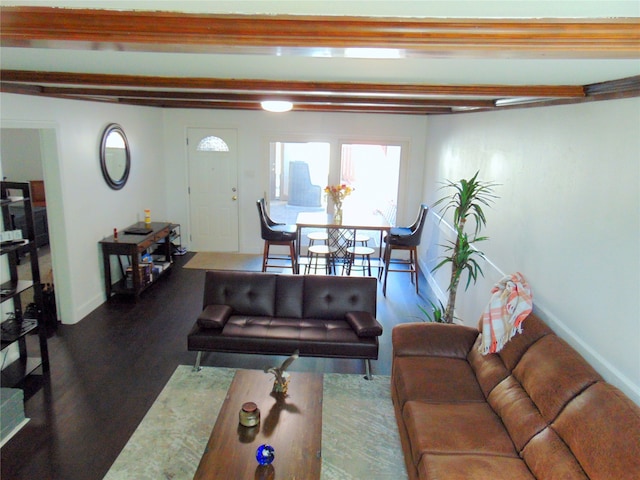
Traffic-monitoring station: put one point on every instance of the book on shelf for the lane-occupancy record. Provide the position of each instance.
(145, 274)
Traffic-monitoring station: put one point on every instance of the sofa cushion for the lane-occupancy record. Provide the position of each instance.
(598, 426)
(532, 330)
(490, 370)
(553, 373)
(435, 379)
(432, 339)
(547, 456)
(280, 336)
(331, 297)
(364, 324)
(462, 428)
(246, 294)
(472, 467)
(214, 316)
(519, 414)
(289, 296)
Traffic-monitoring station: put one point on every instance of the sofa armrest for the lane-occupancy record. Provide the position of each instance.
(364, 324)
(214, 316)
(432, 339)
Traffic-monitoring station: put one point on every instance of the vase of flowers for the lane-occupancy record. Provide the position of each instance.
(338, 193)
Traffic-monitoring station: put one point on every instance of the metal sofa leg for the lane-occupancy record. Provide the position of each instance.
(197, 367)
(367, 366)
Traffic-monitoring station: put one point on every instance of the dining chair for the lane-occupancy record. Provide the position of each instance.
(276, 233)
(407, 239)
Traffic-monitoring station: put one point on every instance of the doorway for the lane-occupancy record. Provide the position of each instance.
(29, 154)
(213, 189)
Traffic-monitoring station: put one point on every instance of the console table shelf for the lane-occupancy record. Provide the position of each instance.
(135, 243)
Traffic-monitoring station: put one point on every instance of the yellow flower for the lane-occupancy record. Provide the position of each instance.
(338, 192)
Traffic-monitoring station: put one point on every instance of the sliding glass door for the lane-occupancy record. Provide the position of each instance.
(373, 171)
(299, 171)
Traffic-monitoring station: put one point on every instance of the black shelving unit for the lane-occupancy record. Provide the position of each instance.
(27, 321)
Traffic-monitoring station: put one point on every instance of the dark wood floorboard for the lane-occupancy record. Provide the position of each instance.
(108, 369)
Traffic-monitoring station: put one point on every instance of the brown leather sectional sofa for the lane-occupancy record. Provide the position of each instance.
(270, 313)
(536, 409)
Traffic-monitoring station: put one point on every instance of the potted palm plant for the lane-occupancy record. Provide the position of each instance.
(467, 200)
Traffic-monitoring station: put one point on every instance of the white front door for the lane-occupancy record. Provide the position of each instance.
(213, 189)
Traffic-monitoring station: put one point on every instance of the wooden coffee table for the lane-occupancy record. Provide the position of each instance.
(292, 425)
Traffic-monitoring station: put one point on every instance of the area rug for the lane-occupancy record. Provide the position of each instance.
(359, 432)
(225, 261)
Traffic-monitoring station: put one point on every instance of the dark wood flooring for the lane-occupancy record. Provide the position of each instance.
(108, 369)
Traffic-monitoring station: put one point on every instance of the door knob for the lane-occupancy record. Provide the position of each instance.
(234, 198)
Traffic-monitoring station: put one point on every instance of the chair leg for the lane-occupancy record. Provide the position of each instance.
(417, 269)
(387, 260)
(294, 263)
(384, 256)
(412, 265)
(331, 264)
(265, 255)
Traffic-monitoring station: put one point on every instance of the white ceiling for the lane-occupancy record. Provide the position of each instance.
(510, 71)
(317, 64)
(408, 70)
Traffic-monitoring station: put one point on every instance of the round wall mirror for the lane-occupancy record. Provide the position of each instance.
(115, 159)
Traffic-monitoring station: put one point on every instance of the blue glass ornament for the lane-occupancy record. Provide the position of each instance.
(265, 454)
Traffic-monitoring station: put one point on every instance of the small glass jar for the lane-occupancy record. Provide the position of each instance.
(147, 217)
(249, 415)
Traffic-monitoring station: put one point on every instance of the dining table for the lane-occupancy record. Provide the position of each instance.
(339, 233)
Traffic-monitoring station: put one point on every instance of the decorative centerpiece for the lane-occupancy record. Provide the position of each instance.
(281, 381)
(338, 193)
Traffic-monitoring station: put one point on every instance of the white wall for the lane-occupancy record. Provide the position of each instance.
(82, 208)
(568, 218)
(257, 129)
(568, 215)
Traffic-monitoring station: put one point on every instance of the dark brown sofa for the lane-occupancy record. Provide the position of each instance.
(276, 314)
(536, 409)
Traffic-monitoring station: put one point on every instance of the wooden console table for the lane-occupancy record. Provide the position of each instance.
(142, 239)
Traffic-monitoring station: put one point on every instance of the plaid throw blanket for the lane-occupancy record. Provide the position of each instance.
(511, 302)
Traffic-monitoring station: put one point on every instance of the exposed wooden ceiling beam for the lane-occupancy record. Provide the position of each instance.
(43, 27)
(169, 92)
(46, 27)
(291, 87)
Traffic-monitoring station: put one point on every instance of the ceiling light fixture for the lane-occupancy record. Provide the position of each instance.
(277, 106)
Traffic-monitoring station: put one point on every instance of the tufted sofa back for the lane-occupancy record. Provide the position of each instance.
(292, 296)
(558, 410)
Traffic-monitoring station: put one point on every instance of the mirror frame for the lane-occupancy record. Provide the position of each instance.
(115, 183)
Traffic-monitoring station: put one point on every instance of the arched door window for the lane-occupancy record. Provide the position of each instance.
(212, 144)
